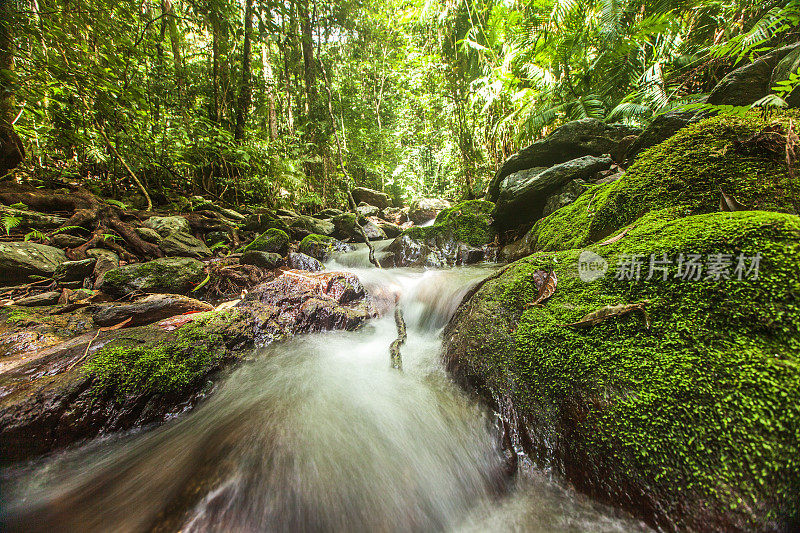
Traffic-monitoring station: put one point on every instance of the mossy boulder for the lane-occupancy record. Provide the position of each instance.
(302, 225)
(174, 275)
(321, 247)
(461, 234)
(273, 240)
(263, 221)
(692, 423)
(24, 261)
(685, 174)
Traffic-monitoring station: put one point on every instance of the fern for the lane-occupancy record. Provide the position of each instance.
(117, 203)
(35, 235)
(10, 222)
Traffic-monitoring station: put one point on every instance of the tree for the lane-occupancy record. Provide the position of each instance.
(12, 151)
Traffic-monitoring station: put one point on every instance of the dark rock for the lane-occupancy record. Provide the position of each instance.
(391, 230)
(12, 151)
(65, 240)
(265, 260)
(75, 270)
(272, 240)
(302, 226)
(183, 244)
(148, 234)
(34, 219)
(174, 275)
(328, 213)
(286, 213)
(566, 195)
(216, 237)
(786, 66)
(750, 82)
(261, 222)
(106, 260)
(522, 195)
(345, 227)
(395, 215)
(300, 261)
(45, 298)
(321, 247)
(660, 129)
(366, 210)
(574, 139)
(425, 209)
(372, 197)
(21, 261)
(149, 309)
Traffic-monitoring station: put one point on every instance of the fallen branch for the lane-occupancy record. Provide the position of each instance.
(394, 348)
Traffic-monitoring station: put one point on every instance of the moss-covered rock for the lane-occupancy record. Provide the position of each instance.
(684, 174)
(273, 240)
(175, 275)
(693, 423)
(321, 247)
(459, 235)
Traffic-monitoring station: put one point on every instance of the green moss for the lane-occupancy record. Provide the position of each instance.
(700, 412)
(168, 274)
(165, 367)
(18, 316)
(468, 222)
(272, 240)
(685, 174)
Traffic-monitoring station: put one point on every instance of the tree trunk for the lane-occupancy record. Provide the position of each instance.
(11, 150)
(174, 37)
(269, 84)
(309, 70)
(245, 92)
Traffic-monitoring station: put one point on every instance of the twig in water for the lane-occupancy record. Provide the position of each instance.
(394, 349)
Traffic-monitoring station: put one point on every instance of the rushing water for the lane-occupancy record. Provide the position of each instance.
(317, 433)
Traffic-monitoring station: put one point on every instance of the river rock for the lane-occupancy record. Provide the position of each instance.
(75, 270)
(44, 298)
(587, 136)
(183, 244)
(168, 225)
(149, 309)
(33, 219)
(174, 275)
(395, 215)
(390, 230)
(522, 195)
(272, 240)
(425, 209)
(21, 261)
(372, 197)
(302, 226)
(300, 261)
(373, 231)
(366, 210)
(265, 260)
(148, 234)
(217, 237)
(322, 247)
(328, 213)
(345, 227)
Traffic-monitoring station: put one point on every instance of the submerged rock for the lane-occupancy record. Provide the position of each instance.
(172, 275)
(21, 262)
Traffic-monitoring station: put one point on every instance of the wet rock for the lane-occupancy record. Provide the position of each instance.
(65, 240)
(44, 298)
(390, 230)
(75, 270)
(328, 213)
(106, 260)
(345, 227)
(265, 260)
(522, 195)
(168, 225)
(574, 139)
(183, 244)
(565, 196)
(366, 210)
(372, 231)
(426, 209)
(395, 215)
(322, 247)
(302, 226)
(286, 213)
(300, 261)
(263, 221)
(148, 234)
(174, 275)
(20, 262)
(149, 309)
(272, 240)
(372, 197)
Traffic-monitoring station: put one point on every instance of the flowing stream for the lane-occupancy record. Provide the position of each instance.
(316, 433)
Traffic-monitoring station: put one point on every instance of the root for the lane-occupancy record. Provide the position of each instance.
(394, 348)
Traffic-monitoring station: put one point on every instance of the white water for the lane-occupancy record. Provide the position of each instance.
(314, 434)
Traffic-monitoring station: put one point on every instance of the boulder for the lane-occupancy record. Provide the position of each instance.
(328, 213)
(321, 247)
(167, 225)
(174, 275)
(564, 196)
(105, 260)
(33, 219)
(372, 231)
(148, 234)
(298, 261)
(587, 136)
(785, 67)
(395, 215)
(523, 194)
(272, 240)
(217, 237)
(390, 230)
(372, 197)
(261, 222)
(345, 227)
(65, 240)
(660, 129)
(20, 262)
(183, 244)
(366, 210)
(41, 299)
(152, 308)
(425, 209)
(265, 260)
(302, 226)
(746, 84)
(75, 270)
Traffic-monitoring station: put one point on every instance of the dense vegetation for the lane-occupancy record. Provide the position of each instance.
(287, 103)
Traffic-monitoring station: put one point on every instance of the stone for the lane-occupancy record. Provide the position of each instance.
(425, 209)
(174, 275)
(216, 237)
(366, 210)
(75, 270)
(286, 213)
(345, 226)
(321, 247)
(272, 240)
(21, 262)
(265, 260)
(390, 230)
(566, 195)
(65, 240)
(33, 219)
(261, 222)
(167, 225)
(395, 215)
(522, 195)
(149, 309)
(300, 261)
(106, 260)
(587, 136)
(372, 197)
(148, 234)
(328, 213)
(785, 67)
(301, 226)
(660, 129)
(41, 299)
(183, 244)
(373, 231)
